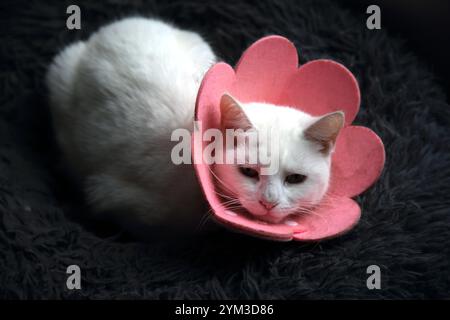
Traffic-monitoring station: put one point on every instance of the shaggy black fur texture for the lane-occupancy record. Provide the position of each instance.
(405, 228)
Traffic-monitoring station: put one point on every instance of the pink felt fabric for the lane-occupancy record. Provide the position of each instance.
(268, 72)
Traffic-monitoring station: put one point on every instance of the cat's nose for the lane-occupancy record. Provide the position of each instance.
(268, 204)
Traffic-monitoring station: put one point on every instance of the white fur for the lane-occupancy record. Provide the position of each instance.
(115, 100)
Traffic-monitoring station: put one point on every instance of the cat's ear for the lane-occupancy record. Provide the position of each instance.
(231, 114)
(325, 131)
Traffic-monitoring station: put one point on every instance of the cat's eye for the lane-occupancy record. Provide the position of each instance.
(295, 178)
(249, 172)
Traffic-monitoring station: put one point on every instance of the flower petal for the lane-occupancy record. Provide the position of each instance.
(218, 80)
(357, 161)
(323, 86)
(334, 218)
(264, 69)
(257, 228)
(318, 87)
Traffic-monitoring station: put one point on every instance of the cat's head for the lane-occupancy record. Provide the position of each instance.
(303, 156)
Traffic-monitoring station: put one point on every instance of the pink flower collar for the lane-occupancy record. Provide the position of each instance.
(268, 71)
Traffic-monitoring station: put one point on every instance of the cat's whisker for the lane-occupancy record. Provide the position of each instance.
(203, 221)
(231, 205)
(229, 202)
(301, 211)
(220, 181)
(236, 206)
(223, 195)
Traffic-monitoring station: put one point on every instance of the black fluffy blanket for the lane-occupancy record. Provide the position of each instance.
(405, 227)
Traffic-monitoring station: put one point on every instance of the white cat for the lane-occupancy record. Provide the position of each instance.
(305, 145)
(115, 100)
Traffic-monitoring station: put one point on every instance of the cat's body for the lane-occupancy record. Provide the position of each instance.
(116, 99)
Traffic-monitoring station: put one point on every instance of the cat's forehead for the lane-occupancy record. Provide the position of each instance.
(284, 123)
(287, 120)
(294, 152)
